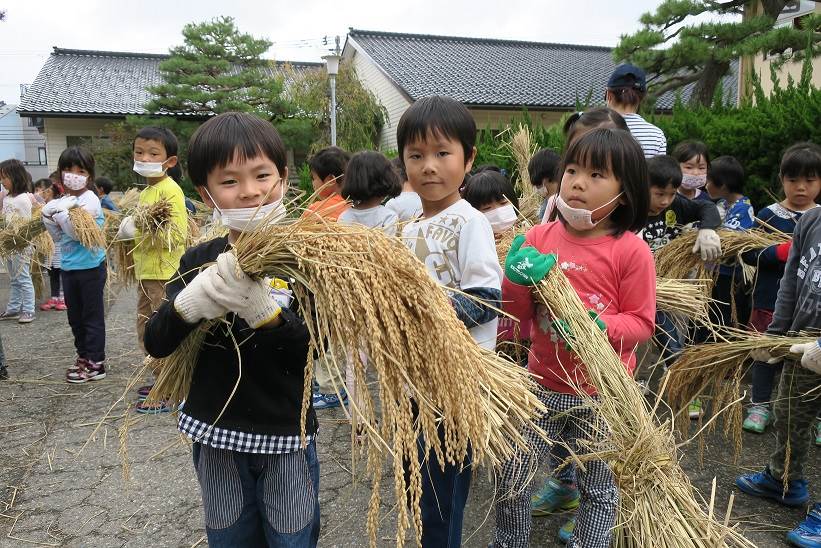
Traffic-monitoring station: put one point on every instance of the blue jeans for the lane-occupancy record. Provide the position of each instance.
(666, 336)
(259, 500)
(21, 290)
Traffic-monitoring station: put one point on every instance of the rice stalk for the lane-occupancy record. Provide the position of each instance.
(156, 225)
(174, 372)
(522, 149)
(687, 298)
(16, 236)
(657, 504)
(129, 200)
(86, 228)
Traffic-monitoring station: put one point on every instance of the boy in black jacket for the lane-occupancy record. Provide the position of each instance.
(259, 484)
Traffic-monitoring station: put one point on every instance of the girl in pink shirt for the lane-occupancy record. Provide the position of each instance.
(602, 200)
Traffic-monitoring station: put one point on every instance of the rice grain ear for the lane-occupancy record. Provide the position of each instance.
(89, 233)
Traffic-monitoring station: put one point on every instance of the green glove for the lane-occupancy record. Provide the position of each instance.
(526, 266)
(563, 330)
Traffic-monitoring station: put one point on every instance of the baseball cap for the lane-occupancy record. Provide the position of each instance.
(628, 76)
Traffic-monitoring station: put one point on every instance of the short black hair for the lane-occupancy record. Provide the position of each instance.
(233, 136)
(687, 150)
(104, 184)
(76, 156)
(399, 168)
(544, 165)
(727, 172)
(161, 135)
(175, 172)
(368, 175)
(664, 170)
(56, 189)
(437, 115)
(489, 186)
(616, 151)
(801, 160)
(580, 122)
(329, 161)
(20, 178)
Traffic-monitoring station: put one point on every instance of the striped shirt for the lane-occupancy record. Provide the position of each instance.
(241, 442)
(652, 139)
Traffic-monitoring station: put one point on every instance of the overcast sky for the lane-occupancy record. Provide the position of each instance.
(33, 27)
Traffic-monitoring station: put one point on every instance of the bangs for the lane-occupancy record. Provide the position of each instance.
(76, 156)
(591, 151)
(489, 186)
(434, 117)
(801, 161)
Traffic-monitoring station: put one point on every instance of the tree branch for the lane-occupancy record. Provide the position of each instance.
(675, 82)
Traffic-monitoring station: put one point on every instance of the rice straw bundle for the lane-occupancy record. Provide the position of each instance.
(505, 240)
(88, 232)
(716, 370)
(369, 292)
(129, 200)
(18, 235)
(687, 298)
(522, 149)
(657, 503)
(111, 225)
(155, 221)
(194, 232)
(124, 261)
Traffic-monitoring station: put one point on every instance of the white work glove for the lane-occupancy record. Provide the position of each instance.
(763, 355)
(708, 243)
(810, 355)
(127, 230)
(55, 206)
(249, 299)
(194, 304)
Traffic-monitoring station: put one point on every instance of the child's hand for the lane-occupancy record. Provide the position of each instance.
(526, 266)
(563, 329)
(249, 299)
(127, 230)
(810, 355)
(708, 244)
(193, 303)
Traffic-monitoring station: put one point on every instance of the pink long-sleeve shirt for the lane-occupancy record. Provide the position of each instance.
(614, 276)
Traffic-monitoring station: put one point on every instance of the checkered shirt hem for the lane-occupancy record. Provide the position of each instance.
(242, 442)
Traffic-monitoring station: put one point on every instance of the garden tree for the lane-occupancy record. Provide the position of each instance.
(360, 116)
(678, 50)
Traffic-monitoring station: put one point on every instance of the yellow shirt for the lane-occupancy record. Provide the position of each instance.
(152, 258)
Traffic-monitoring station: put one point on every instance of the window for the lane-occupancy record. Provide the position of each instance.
(41, 155)
(78, 141)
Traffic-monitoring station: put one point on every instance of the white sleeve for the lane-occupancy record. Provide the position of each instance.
(478, 262)
(389, 222)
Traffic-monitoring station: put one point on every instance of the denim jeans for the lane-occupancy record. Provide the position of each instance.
(666, 336)
(259, 500)
(21, 290)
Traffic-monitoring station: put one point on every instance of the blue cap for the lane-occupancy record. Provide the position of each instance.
(628, 76)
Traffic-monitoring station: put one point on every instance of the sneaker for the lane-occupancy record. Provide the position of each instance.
(80, 363)
(9, 315)
(153, 408)
(4, 373)
(49, 304)
(695, 410)
(808, 532)
(763, 484)
(61, 304)
(554, 498)
(89, 371)
(758, 418)
(26, 317)
(329, 401)
(818, 432)
(142, 392)
(566, 530)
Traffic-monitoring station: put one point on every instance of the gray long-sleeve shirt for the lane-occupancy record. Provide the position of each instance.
(798, 306)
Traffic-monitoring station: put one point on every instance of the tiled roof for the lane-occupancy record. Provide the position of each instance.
(498, 73)
(98, 83)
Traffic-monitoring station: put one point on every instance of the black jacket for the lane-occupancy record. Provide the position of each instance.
(662, 228)
(268, 399)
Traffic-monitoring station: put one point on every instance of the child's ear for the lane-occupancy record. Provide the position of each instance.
(469, 161)
(171, 162)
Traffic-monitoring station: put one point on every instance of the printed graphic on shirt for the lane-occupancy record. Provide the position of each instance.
(739, 215)
(592, 301)
(809, 272)
(443, 262)
(658, 233)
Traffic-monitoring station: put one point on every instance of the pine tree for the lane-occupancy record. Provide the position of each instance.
(677, 50)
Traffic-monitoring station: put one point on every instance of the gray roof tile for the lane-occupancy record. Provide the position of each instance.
(98, 83)
(499, 73)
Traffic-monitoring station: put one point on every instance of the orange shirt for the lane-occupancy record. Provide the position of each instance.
(330, 208)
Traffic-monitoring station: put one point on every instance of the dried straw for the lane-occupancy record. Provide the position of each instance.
(657, 504)
(16, 236)
(417, 348)
(129, 200)
(85, 226)
(155, 221)
(522, 149)
(688, 298)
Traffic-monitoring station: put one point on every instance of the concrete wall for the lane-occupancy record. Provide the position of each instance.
(58, 130)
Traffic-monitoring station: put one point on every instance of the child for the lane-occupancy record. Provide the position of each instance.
(83, 269)
(542, 170)
(369, 179)
(104, 188)
(694, 160)
(407, 205)
(797, 404)
(626, 90)
(17, 207)
(327, 171)
(800, 175)
(155, 260)
(603, 199)
(49, 191)
(436, 139)
(493, 194)
(258, 484)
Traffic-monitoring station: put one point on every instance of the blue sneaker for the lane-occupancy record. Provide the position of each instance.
(566, 530)
(763, 484)
(329, 401)
(555, 497)
(808, 532)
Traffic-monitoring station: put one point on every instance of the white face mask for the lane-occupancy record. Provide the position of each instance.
(579, 218)
(74, 181)
(501, 218)
(149, 169)
(692, 182)
(246, 219)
